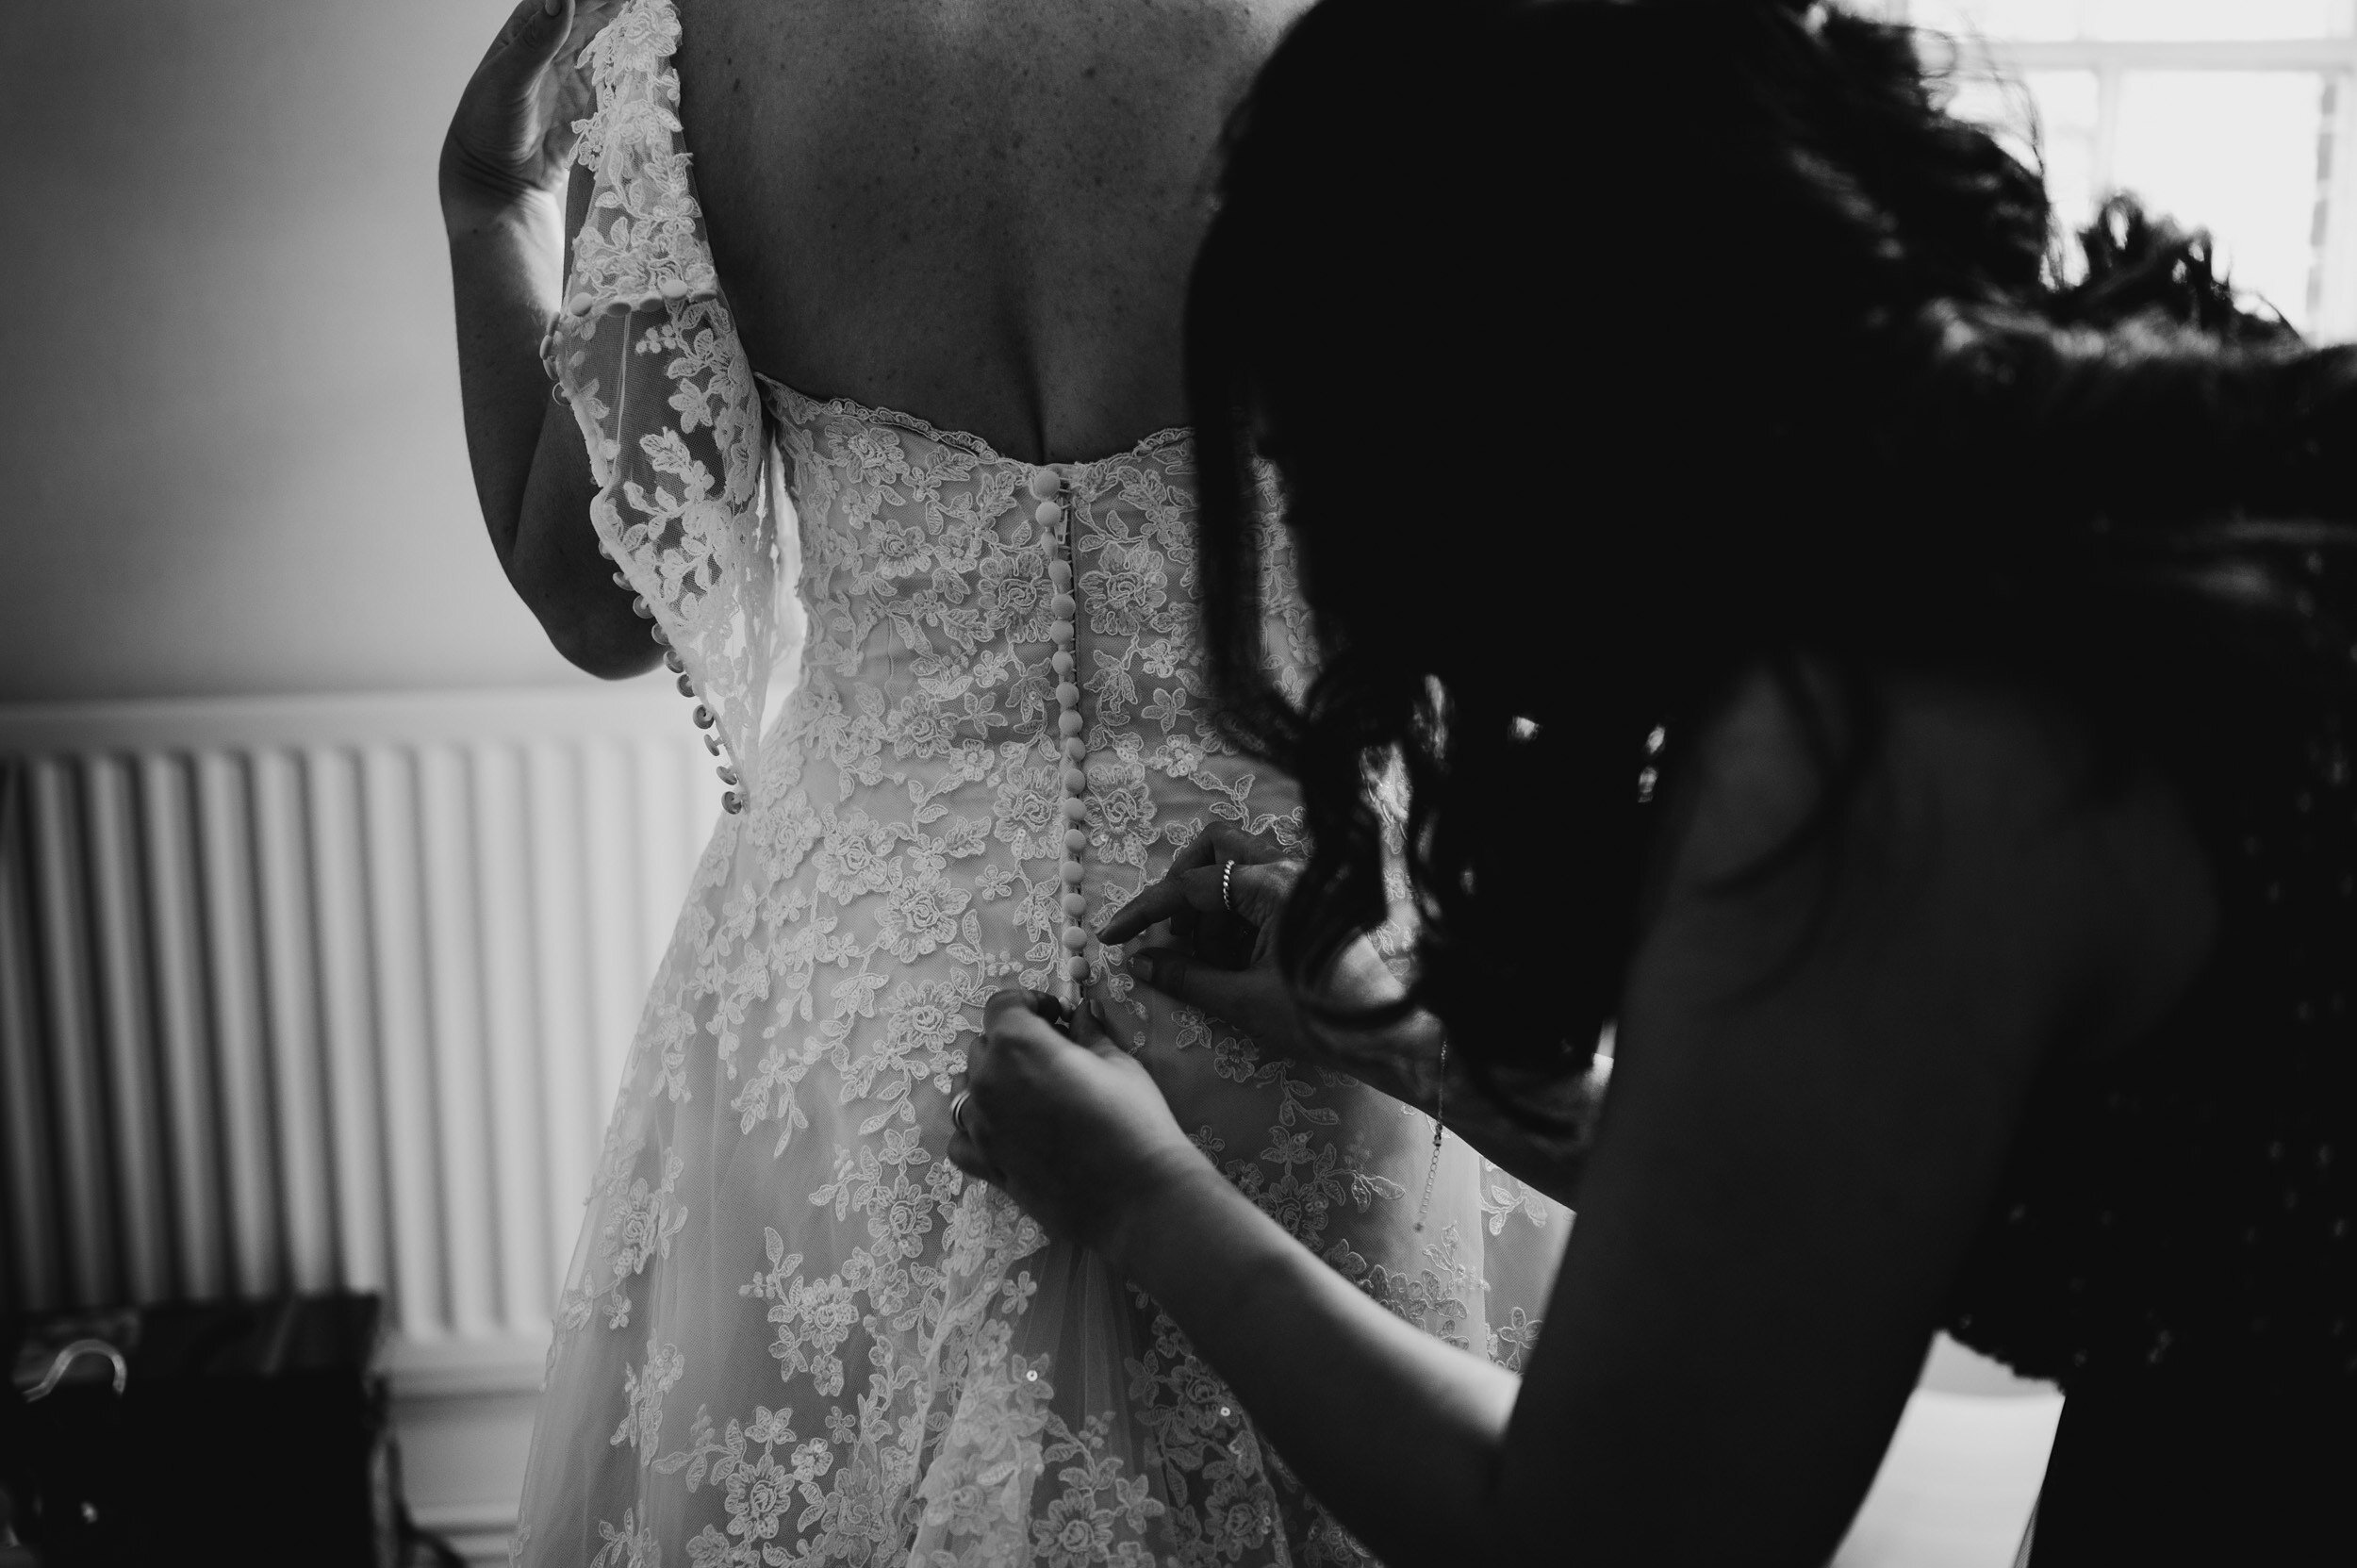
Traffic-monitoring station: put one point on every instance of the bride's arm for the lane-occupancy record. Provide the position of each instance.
(503, 182)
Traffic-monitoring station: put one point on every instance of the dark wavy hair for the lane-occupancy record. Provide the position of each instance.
(1605, 349)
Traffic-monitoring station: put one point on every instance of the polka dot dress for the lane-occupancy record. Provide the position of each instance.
(2183, 1211)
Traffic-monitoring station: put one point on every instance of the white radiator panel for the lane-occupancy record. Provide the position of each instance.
(306, 993)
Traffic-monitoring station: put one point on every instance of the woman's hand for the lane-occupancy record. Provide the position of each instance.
(510, 144)
(1073, 1129)
(1226, 964)
(1232, 971)
(503, 172)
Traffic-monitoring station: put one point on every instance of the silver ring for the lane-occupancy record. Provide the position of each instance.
(957, 1109)
(1226, 875)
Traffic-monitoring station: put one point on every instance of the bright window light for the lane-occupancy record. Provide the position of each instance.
(2235, 116)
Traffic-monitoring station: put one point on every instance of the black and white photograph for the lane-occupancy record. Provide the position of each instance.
(1179, 784)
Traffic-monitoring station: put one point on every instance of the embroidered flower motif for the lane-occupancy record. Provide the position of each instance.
(1073, 1534)
(1122, 812)
(757, 1494)
(921, 909)
(855, 858)
(1122, 590)
(1010, 595)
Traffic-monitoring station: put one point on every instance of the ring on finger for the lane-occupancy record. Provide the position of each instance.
(957, 1109)
(1227, 880)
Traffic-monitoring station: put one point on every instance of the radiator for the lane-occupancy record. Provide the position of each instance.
(302, 994)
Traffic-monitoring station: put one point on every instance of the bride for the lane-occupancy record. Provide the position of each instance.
(926, 579)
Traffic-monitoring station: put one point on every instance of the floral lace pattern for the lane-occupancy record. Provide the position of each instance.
(648, 357)
(792, 1332)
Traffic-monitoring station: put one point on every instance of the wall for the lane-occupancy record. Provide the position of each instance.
(230, 452)
(231, 461)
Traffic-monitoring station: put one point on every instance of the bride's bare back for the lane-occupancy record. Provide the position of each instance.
(981, 215)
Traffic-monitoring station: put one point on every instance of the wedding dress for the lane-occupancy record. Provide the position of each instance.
(792, 1332)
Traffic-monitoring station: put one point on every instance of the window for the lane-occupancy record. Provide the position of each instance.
(2236, 116)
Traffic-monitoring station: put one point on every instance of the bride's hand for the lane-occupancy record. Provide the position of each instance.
(1227, 965)
(512, 138)
(1073, 1129)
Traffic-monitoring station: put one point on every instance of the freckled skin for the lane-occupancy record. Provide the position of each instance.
(981, 215)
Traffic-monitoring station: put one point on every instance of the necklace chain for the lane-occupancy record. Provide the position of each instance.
(1440, 1130)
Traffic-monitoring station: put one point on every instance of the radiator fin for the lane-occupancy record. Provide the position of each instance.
(305, 999)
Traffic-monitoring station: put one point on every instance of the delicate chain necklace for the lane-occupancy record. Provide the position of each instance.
(1440, 1130)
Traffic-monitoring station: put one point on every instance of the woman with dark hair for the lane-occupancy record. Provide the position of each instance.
(1906, 699)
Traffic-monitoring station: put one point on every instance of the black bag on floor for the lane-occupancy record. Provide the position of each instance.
(247, 1431)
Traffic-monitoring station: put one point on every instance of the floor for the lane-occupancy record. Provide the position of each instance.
(1963, 1472)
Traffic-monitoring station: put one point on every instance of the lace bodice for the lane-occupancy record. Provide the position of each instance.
(925, 586)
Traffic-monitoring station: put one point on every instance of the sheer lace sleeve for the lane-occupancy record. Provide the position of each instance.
(649, 356)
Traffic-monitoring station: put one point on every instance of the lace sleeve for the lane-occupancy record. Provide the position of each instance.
(648, 355)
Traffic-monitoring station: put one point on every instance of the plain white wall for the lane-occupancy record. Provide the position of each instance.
(230, 452)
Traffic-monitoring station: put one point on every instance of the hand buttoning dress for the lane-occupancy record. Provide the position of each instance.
(792, 1332)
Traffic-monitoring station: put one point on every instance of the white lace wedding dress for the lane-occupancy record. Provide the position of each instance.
(792, 1331)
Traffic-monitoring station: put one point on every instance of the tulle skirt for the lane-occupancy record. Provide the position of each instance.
(794, 1333)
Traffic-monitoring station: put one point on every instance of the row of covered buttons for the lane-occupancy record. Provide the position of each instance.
(1053, 517)
(733, 802)
(671, 291)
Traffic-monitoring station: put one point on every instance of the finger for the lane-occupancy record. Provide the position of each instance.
(1230, 842)
(534, 32)
(967, 1156)
(1258, 892)
(1240, 996)
(1091, 1030)
(589, 18)
(1197, 890)
(1036, 1002)
(1200, 851)
(1159, 901)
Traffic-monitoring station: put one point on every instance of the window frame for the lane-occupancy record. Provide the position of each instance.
(2332, 303)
